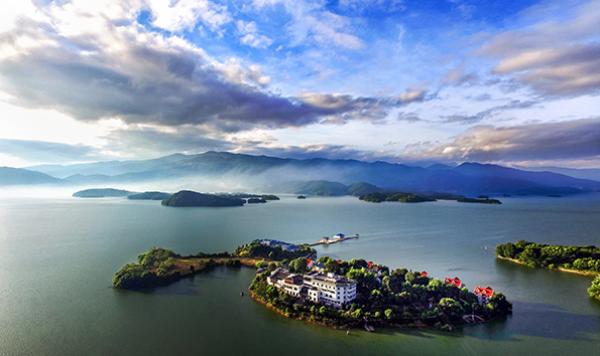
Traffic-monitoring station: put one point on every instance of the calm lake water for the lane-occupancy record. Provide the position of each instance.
(57, 258)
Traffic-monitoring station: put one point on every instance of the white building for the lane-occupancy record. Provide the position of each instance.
(315, 286)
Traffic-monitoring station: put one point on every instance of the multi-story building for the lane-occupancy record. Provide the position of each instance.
(315, 286)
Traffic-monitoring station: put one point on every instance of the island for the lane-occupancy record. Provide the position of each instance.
(292, 281)
(485, 200)
(102, 193)
(188, 198)
(378, 197)
(161, 266)
(149, 196)
(249, 196)
(301, 197)
(583, 260)
(255, 200)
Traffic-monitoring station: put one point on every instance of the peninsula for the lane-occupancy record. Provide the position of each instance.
(583, 260)
(340, 294)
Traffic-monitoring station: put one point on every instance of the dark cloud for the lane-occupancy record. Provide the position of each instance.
(149, 142)
(43, 151)
(555, 58)
(573, 140)
(150, 79)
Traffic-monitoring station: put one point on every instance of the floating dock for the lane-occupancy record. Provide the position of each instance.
(335, 239)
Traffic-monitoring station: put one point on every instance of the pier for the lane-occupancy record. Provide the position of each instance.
(333, 240)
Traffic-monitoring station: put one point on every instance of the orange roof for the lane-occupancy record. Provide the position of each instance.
(454, 281)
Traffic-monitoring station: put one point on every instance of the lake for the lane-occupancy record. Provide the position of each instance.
(57, 258)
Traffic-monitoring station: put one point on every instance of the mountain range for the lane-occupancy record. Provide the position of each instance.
(303, 176)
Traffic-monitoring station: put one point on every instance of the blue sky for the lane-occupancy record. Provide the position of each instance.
(509, 82)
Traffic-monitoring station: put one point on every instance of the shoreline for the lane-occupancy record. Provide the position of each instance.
(269, 306)
(559, 269)
(186, 267)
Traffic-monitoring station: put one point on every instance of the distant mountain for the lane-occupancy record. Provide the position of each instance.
(188, 198)
(362, 188)
(268, 172)
(583, 173)
(319, 187)
(102, 193)
(18, 176)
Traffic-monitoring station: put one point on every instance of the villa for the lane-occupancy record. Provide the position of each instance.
(316, 286)
(286, 246)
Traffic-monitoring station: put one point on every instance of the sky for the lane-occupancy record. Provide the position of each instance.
(499, 81)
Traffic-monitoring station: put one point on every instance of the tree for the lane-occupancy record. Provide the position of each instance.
(451, 308)
(594, 289)
(389, 314)
(298, 265)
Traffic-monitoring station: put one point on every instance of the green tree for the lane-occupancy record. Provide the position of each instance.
(298, 265)
(389, 314)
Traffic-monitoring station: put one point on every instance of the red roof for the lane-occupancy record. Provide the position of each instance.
(487, 292)
(454, 281)
(424, 274)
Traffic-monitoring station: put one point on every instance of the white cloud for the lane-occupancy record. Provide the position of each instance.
(311, 22)
(249, 35)
(179, 15)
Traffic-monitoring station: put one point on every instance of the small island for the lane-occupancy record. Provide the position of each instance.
(339, 294)
(485, 200)
(188, 198)
(379, 197)
(583, 260)
(102, 193)
(255, 201)
(249, 196)
(149, 196)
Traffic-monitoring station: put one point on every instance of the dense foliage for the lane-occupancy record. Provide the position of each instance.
(386, 298)
(484, 200)
(580, 258)
(255, 200)
(188, 198)
(378, 197)
(583, 258)
(256, 249)
(149, 270)
(594, 289)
